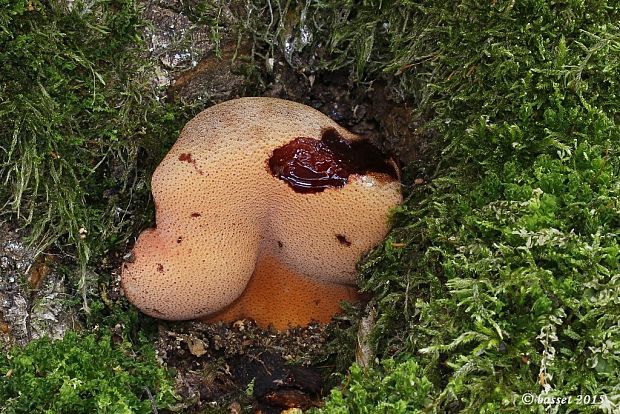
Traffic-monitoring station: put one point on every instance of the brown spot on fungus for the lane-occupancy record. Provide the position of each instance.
(343, 240)
(160, 267)
(187, 157)
(194, 215)
(237, 267)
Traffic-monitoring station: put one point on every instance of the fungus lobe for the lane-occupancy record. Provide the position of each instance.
(282, 176)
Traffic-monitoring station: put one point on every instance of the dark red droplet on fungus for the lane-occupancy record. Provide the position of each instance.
(310, 165)
(195, 215)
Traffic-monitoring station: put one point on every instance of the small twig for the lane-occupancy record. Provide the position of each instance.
(152, 400)
(252, 357)
(406, 310)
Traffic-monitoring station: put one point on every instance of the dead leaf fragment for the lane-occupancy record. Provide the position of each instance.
(292, 411)
(39, 270)
(196, 346)
(234, 408)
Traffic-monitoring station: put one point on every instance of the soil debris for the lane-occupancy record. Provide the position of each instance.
(241, 365)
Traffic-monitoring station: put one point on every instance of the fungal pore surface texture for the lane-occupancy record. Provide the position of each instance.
(263, 208)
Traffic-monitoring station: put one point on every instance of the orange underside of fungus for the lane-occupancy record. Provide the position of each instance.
(263, 208)
(278, 296)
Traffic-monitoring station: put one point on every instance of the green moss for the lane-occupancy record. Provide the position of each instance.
(508, 282)
(394, 388)
(83, 373)
(76, 107)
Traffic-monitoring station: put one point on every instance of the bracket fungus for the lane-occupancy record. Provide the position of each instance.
(263, 207)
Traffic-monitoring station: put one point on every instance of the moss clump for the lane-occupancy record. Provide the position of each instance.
(80, 131)
(76, 107)
(508, 281)
(83, 373)
(395, 389)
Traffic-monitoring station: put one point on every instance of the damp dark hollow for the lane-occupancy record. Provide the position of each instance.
(310, 165)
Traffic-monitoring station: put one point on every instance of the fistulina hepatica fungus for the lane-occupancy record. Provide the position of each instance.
(263, 208)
